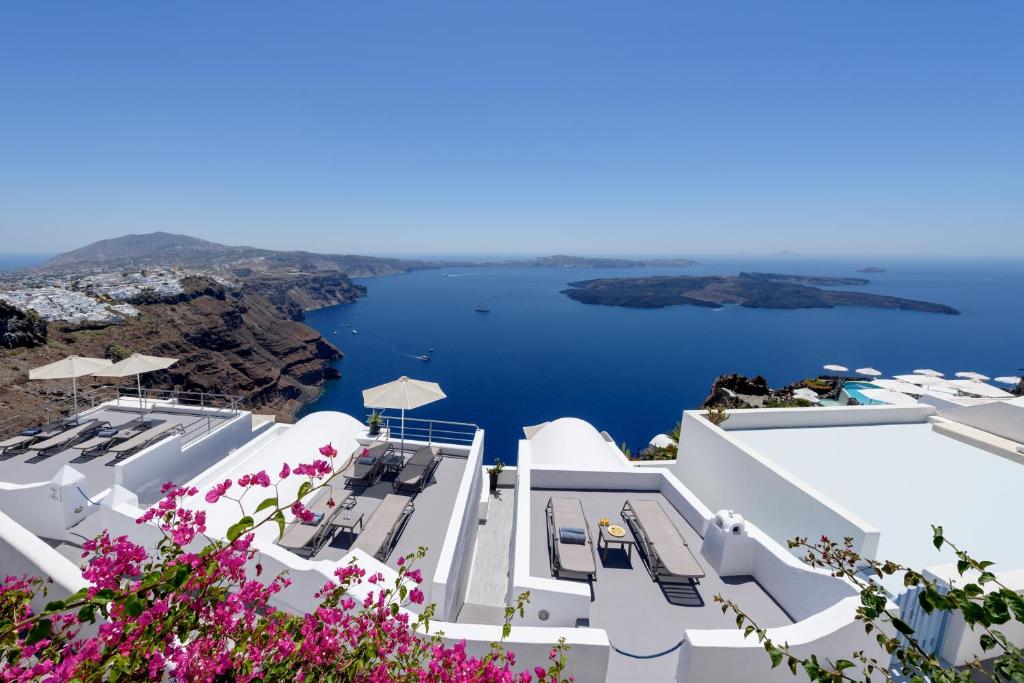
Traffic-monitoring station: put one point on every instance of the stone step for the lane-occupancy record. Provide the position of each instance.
(481, 614)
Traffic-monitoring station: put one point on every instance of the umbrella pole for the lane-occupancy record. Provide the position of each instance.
(138, 384)
(403, 432)
(74, 392)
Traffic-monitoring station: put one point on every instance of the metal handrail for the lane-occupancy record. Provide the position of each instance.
(417, 429)
(90, 398)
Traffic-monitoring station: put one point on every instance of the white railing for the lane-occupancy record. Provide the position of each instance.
(419, 429)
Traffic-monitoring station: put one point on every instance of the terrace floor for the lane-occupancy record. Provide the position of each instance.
(29, 467)
(427, 525)
(643, 617)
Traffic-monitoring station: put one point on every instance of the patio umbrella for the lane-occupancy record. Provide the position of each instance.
(923, 380)
(136, 364)
(928, 372)
(402, 394)
(71, 368)
(870, 372)
(899, 385)
(1008, 380)
(973, 375)
(835, 368)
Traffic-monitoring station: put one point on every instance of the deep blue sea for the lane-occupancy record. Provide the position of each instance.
(539, 355)
(15, 261)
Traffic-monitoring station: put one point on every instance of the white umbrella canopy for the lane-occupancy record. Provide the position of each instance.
(835, 368)
(973, 375)
(922, 380)
(899, 385)
(136, 364)
(928, 372)
(402, 394)
(1008, 380)
(870, 372)
(71, 368)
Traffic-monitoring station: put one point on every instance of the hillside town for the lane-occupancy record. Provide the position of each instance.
(93, 296)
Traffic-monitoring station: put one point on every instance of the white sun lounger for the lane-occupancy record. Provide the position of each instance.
(143, 439)
(66, 437)
(385, 525)
(365, 473)
(306, 539)
(571, 560)
(666, 552)
(416, 473)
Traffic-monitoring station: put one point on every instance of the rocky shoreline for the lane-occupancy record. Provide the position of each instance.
(248, 341)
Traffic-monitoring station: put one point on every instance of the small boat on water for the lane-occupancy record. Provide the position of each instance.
(430, 350)
(423, 357)
(483, 308)
(355, 331)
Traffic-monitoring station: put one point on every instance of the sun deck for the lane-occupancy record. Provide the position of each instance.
(30, 467)
(426, 526)
(643, 617)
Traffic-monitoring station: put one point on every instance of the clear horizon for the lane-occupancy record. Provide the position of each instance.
(473, 128)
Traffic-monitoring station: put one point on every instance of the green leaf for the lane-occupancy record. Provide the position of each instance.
(134, 607)
(279, 518)
(775, 654)
(239, 527)
(305, 488)
(42, 629)
(843, 664)
(268, 503)
(937, 537)
(902, 626)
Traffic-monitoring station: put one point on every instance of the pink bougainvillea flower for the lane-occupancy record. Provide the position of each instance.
(328, 450)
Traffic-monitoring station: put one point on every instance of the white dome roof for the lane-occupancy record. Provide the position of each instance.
(662, 441)
(573, 443)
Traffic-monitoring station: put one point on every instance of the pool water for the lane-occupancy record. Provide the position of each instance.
(852, 390)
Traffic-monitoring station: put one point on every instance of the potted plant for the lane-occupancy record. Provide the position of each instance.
(374, 423)
(493, 471)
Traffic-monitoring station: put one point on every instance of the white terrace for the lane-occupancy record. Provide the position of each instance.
(483, 548)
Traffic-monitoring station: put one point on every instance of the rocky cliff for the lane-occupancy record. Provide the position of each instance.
(248, 340)
(20, 330)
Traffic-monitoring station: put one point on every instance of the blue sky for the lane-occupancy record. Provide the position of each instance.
(488, 127)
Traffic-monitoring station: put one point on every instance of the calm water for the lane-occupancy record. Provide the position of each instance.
(539, 355)
(15, 261)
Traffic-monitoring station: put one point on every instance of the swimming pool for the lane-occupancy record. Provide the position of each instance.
(853, 389)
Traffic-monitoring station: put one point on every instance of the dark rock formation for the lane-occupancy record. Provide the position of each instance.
(752, 290)
(20, 330)
(728, 391)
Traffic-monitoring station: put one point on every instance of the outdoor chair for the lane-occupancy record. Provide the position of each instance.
(66, 437)
(379, 536)
(570, 548)
(416, 473)
(143, 439)
(668, 557)
(306, 538)
(366, 464)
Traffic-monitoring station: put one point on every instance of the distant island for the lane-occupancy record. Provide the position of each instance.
(751, 290)
(871, 269)
(562, 261)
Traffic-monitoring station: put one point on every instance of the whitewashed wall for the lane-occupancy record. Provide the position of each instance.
(725, 473)
(146, 471)
(448, 586)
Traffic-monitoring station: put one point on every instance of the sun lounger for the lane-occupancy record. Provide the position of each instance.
(385, 525)
(666, 552)
(366, 463)
(307, 538)
(416, 473)
(104, 439)
(571, 550)
(18, 444)
(143, 439)
(67, 437)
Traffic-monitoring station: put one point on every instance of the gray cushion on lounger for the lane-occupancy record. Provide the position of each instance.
(572, 536)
